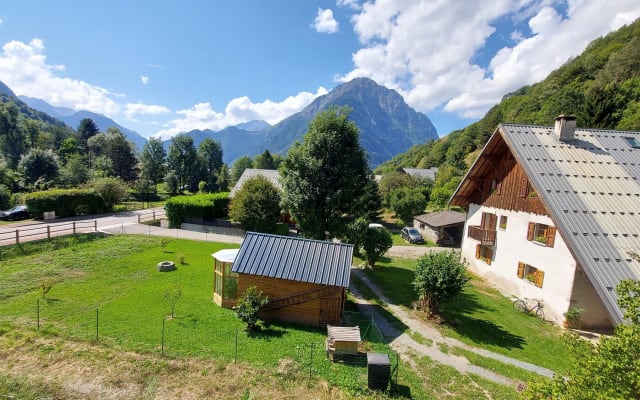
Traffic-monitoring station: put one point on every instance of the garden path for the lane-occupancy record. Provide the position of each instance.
(404, 343)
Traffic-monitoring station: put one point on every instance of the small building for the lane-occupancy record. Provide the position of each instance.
(420, 172)
(225, 282)
(443, 227)
(305, 280)
(272, 175)
(342, 340)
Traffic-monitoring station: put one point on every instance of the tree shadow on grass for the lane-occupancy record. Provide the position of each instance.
(457, 318)
(266, 332)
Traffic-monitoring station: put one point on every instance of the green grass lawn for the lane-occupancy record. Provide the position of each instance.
(481, 317)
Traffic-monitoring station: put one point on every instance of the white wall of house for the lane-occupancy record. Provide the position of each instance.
(513, 247)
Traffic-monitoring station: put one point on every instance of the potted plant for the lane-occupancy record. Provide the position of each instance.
(572, 318)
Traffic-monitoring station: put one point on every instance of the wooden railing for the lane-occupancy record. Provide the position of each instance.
(487, 237)
(152, 215)
(39, 231)
(297, 298)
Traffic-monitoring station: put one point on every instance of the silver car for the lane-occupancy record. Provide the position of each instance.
(411, 235)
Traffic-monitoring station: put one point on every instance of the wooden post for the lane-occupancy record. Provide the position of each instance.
(74, 227)
(17, 236)
(95, 225)
(48, 231)
(138, 218)
(38, 312)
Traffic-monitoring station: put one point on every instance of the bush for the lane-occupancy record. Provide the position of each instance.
(249, 305)
(206, 206)
(65, 202)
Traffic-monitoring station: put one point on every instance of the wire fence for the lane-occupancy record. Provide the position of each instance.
(205, 338)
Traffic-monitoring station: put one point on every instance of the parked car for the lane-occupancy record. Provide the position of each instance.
(411, 235)
(17, 212)
(377, 226)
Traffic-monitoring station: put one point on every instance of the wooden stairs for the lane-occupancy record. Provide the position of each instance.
(297, 298)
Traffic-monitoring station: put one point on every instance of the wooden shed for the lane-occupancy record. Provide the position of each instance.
(306, 280)
(342, 340)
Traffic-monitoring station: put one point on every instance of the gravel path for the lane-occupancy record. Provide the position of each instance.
(403, 343)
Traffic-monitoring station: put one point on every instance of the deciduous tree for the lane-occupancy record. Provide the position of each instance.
(39, 169)
(182, 160)
(210, 154)
(375, 243)
(256, 206)
(153, 159)
(239, 166)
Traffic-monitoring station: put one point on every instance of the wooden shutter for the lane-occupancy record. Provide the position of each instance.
(489, 256)
(477, 251)
(493, 221)
(524, 187)
(539, 278)
(530, 231)
(551, 236)
(520, 270)
(483, 222)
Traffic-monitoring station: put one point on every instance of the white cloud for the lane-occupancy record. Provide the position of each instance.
(242, 109)
(133, 109)
(324, 22)
(144, 79)
(353, 4)
(24, 68)
(424, 48)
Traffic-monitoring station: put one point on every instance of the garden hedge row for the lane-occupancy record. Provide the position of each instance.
(65, 202)
(206, 206)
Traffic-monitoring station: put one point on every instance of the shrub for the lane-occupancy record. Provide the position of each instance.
(65, 202)
(249, 305)
(206, 206)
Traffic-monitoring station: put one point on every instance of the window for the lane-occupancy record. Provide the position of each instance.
(495, 186)
(484, 253)
(488, 221)
(503, 222)
(541, 233)
(530, 274)
(633, 142)
(526, 190)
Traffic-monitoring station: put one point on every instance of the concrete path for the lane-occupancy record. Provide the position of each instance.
(402, 342)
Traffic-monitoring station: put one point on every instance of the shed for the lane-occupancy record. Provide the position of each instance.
(305, 280)
(342, 340)
(443, 227)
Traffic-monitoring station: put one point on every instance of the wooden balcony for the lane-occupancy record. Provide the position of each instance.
(486, 237)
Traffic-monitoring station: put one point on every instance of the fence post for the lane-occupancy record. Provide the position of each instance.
(153, 213)
(236, 357)
(311, 360)
(74, 227)
(97, 320)
(95, 225)
(162, 336)
(38, 312)
(138, 218)
(48, 231)
(17, 236)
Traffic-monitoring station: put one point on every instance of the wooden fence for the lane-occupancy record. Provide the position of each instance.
(153, 215)
(37, 232)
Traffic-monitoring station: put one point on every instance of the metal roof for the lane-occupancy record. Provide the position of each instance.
(442, 218)
(272, 176)
(421, 172)
(590, 185)
(294, 258)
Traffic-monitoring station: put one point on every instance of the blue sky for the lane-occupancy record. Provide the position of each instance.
(162, 68)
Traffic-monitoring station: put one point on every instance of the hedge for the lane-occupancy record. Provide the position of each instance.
(206, 206)
(65, 202)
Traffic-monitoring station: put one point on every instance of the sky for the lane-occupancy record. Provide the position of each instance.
(165, 67)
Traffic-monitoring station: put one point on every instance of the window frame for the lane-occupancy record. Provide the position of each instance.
(531, 274)
(546, 239)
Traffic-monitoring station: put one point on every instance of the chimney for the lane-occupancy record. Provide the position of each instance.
(565, 127)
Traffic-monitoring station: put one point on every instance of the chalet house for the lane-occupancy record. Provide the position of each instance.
(305, 280)
(554, 213)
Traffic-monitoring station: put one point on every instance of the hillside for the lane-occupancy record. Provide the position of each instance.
(601, 87)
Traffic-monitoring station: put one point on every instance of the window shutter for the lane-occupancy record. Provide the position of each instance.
(551, 236)
(524, 187)
(539, 278)
(530, 230)
(493, 220)
(477, 251)
(483, 222)
(489, 256)
(520, 270)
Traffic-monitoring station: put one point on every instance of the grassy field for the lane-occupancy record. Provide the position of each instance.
(481, 317)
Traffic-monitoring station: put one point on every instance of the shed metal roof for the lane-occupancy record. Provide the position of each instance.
(272, 176)
(591, 187)
(421, 172)
(294, 258)
(442, 218)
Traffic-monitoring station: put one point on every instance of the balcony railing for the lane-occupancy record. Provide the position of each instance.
(487, 237)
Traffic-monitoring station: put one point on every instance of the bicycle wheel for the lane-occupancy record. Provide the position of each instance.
(520, 305)
(540, 314)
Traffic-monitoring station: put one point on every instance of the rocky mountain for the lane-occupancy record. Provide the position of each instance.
(72, 118)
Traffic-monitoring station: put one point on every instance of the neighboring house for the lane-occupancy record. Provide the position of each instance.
(271, 174)
(553, 213)
(442, 227)
(420, 172)
(305, 280)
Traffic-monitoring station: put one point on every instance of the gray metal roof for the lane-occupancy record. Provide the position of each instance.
(272, 176)
(591, 186)
(421, 172)
(442, 218)
(296, 259)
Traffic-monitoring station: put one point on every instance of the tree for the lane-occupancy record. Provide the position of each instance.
(355, 233)
(86, 130)
(407, 202)
(323, 177)
(112, 191)
(74, 172)
(390, 182)
(68, 148)
(182, 160)
(223, 179)
(608, 370)
(173, 184)
(153, 159)
(249, 305)
(239, 166)
(12, 139)
(256, 206)
(265, 161)
(122, 155)
(375, 243)
(172, 296)
(210, 154)
(439, 276)
(39, 168)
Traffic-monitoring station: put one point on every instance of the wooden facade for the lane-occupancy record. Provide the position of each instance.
(297, 302)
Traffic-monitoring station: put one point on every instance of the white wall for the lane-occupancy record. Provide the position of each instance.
(512, 247)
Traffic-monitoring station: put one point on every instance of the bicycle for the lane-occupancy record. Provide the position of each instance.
(522, 305)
